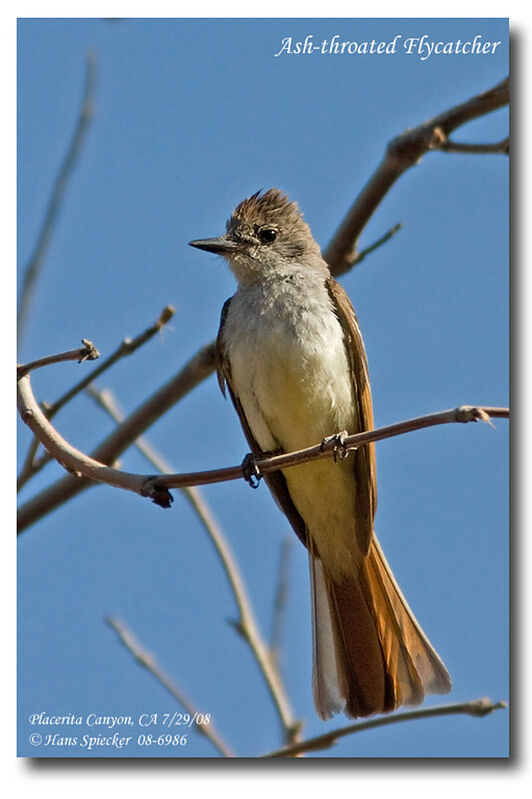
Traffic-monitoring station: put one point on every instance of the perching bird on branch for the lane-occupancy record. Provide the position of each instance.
(291, 353)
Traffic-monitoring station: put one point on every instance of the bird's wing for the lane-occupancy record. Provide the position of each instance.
(274, 480)
(364, 460)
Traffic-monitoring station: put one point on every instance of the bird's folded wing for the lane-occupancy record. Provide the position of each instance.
(274, 480)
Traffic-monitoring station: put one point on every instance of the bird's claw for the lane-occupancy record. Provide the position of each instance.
(336, 443)
(252, 473)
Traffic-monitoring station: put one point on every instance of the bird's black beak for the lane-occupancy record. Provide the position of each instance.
(220, 246)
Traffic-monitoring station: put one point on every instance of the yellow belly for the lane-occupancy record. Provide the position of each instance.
(299, 408)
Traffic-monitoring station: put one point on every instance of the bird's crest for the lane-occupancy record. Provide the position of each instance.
(263, 208)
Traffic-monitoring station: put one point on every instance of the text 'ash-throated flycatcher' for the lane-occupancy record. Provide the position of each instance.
(290, 350)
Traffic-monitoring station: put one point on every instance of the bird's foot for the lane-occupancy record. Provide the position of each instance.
(252, 473)
(336, 444)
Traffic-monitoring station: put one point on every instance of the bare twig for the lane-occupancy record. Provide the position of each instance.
(127, 347)
(147, 660)
(157, 488)
(502, 147)
(279, 604)
(72, 459)
(34, 265)
(476, 707)
(462, 414)
(30, 466)
(403, 152)
(86, 353)
(246, 624)
(194, 372)
(383, 239)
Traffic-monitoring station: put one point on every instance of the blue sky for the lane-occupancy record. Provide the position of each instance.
(190, 117)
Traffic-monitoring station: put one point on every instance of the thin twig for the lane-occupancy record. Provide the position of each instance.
(127, 347)
(383, 239)
(402, 153)
(30, 465)
(194, 372)
(72, 459)
(146, 659)
(86, 353)
(54, 203)
(281, 593)
(476, 707)
(462, 415)
(501, 147)
(246, 625)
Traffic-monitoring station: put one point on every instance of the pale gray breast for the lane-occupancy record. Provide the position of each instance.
(288, 362)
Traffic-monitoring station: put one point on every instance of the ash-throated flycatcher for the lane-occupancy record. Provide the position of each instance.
(290, 351)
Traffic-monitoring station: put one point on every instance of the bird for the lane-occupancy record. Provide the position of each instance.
(290, 352)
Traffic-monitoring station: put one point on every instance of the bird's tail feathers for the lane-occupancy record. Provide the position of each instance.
(370, 654)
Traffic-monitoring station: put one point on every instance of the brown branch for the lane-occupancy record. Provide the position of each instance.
(194, 372)
(146, 659)
(86, 353)
(502, 147)
(30, 465)
(463, 414)
(157, 487)
(127, 347)
(35, 263)
(246, 625)
(72, 459)
(476, 707)
(401, 153)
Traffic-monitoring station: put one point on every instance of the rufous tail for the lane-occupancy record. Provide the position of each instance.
(370, 654)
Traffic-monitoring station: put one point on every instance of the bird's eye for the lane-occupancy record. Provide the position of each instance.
(267, 235)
